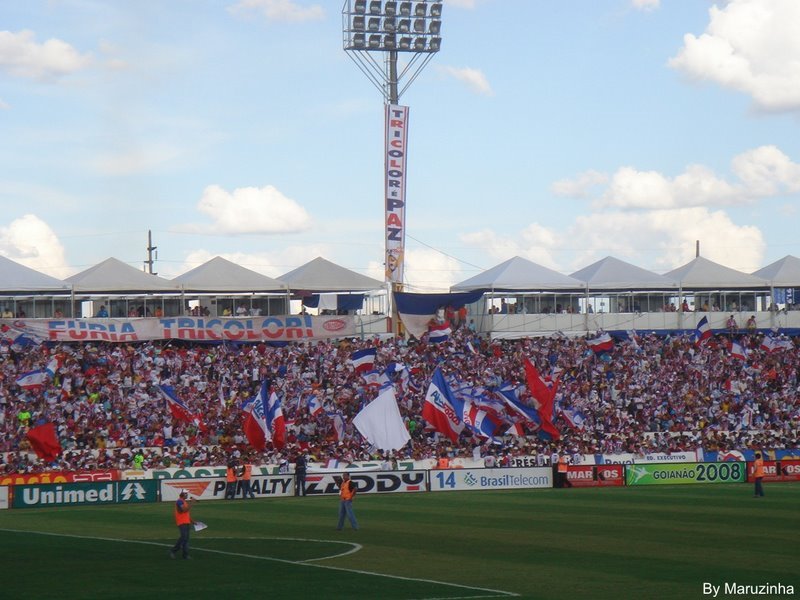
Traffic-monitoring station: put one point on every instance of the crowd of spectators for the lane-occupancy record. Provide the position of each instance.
(649, 394)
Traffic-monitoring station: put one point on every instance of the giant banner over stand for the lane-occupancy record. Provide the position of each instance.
(657, 474)
(249, 329)
(395, 196)
(446, 480)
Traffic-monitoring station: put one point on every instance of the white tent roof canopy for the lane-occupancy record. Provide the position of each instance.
(518, 275)
(322, 275)
(17, 278)
(114, 276)
(612, 273)
(222, 275)
(703, 274)
(782, 273)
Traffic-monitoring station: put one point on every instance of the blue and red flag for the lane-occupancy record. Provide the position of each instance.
(703, 332)
(441, 409)
(363, 360)
(178, 408)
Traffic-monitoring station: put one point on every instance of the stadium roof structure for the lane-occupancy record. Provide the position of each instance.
(613, 274)
(18, 279)
(112, 276)
(520, 275)
(222, 275)
(703, 274)
(321, 275)
(783, 273)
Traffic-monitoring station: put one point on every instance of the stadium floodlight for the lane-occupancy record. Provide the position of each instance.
(391, 43)
(419, 28)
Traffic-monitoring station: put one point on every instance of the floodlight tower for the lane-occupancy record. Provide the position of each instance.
(376, 32)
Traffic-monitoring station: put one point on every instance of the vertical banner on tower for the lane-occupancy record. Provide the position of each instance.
(396, 148)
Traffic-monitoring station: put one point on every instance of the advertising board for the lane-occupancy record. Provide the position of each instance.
(77, 494)
(375, 482)
(776, 471)
(446, 480)
(596, 475)
(214, 488)
(659, 474)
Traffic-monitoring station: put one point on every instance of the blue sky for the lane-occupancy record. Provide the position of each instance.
(562, 131)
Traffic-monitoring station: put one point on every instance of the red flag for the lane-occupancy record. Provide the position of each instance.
(44, 441)
(544, 396)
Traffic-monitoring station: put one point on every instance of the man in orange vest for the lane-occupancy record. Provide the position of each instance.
(347, 491)
(183, 519)
(758, 475)
(247, 491)
(563, 469)
(230, 481)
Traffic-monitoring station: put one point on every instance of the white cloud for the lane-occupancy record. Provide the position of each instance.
(22, 56)
(474, 79)
(462, 3)
(766, 171)
(580, 186)
(759, 173)
(31, 242)
(4, 105)
(665, 239)
(658, 239)
(250, 210)
(427, 270)
(751, 46)
(281, 10)
(646, 4)
(535, 242)
(697, 186)
(271, 264)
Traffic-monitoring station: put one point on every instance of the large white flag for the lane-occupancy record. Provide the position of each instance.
(381, 424)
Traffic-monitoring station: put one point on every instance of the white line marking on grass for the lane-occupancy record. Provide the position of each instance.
(355, 547)
(492, 593)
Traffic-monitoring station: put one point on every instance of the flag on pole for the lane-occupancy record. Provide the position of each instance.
(381, 424)
(314, 404)
(363, 360)
(439, 333)
(441, 409)
(44, 441)
(32, 380)
(545, 397)
(178, 409)
(255, 421)
(738, 351)
(275, 421)
(703, 332)
(601, 344)
(338, 425)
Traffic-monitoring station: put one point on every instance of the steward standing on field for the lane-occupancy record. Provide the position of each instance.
(347, 491)
(183, 519)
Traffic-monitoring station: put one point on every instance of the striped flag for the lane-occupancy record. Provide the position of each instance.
(363, 360)
(439, 333)
(703, 332)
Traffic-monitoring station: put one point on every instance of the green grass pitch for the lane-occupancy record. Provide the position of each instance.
(648, 542)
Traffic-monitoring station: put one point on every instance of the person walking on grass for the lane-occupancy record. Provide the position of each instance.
(347, 491)
(758, 475)
(183, 519)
